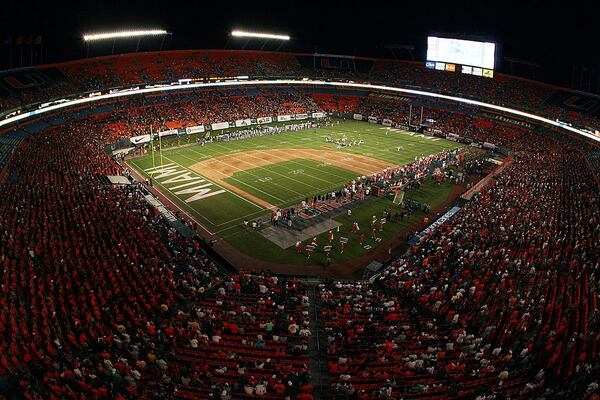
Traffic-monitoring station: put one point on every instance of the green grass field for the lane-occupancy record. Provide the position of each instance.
(221, 207)
(286, 182)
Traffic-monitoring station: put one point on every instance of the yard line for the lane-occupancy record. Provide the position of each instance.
(308, 166)
(304, 166)
(300, 196)
(193, 210)
(257, 176)
(373, 133)
(303, 151)
(237, 180)
(214, 183)
(198, 215)
(244, 217)
(388, 141)
(275, 172)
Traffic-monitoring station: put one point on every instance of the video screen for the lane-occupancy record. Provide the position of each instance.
(463, 52)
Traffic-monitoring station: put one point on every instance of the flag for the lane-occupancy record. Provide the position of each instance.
(19, 41)
(38, 40)
(29, 40)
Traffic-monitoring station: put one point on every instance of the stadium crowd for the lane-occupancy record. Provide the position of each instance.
(505, 294)
(129, 69)
(96, 284)
(101, 298)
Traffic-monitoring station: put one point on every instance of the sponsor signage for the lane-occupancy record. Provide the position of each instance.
(451, 67)
(219, 125)
(430, 64)
(264, 120)
(358, 117)
(300, 116)
(318, 115)
(488, 73)
(140, 139)
(372, 120)
(477, 71)
(170, 132)
(440, 66)
(466, 69)
(28, 112)
(283, 118)
(243, 122)
(194, 129)
(387, 122)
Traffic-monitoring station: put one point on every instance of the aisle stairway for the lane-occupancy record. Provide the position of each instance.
(317, 346)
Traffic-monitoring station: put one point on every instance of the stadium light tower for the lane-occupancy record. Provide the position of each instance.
(263, 37)
(123, 34)
(126, 34)
(259, 35)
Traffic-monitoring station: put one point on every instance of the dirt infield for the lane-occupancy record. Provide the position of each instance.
(219, 168)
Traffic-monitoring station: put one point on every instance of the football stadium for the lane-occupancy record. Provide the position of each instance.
(304, 212)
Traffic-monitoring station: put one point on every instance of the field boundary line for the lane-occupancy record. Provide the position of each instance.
(237, 180)
(175, 204)
(265, 167)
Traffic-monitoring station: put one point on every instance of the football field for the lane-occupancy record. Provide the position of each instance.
(222, 184)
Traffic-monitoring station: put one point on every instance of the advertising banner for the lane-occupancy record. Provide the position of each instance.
(372, 120)
(300, 116)
(219, 125)
(358, 117)
(264, 120)
(170, 132)
(243, 122)
(283, 118)
(140, 139)
(318, 115)
(387, 122)
(194, 129)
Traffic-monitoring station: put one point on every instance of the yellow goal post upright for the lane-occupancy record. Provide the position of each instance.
(160, 149)
(152, 146)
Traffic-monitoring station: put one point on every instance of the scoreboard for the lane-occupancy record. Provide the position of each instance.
(458, 55)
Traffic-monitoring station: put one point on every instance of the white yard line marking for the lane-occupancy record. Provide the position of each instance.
(237, 180)
(214, 183)
(271, 171)
(274, 155)
(140, 171)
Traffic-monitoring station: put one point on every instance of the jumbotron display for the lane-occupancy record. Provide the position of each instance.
(476, 58)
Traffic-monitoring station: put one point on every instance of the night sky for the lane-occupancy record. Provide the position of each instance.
(555, 34)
